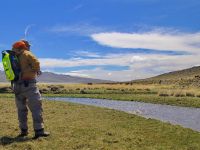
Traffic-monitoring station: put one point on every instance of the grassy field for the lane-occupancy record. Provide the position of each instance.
(74, 126)
(151, 93)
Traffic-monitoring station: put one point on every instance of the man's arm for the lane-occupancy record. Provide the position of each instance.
(34, 62)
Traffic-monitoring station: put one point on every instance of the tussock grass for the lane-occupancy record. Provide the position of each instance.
(159, 94)
(74, 126)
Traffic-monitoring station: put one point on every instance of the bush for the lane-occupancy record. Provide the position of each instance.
(54, 89)
(190, 94)
(147, 89)
(163, 94)
(5, 90)
(179, 95)
(198, 95)
(83, 92)
(44, 91)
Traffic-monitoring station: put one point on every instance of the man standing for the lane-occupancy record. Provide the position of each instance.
(26, 91)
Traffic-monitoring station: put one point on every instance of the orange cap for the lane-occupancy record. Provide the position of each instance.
(19, 45)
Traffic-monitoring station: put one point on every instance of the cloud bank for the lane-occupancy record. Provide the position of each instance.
(155, 40)
(140, 65)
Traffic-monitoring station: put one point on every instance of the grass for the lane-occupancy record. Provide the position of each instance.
(74, 126)
(153, 93)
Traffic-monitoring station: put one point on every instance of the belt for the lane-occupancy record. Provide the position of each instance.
(25, 82)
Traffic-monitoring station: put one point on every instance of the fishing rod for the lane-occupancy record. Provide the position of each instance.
(26, 31)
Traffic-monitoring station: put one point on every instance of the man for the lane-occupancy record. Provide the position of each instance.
(26, 91)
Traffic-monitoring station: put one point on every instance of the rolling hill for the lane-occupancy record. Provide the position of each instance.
(185, 77)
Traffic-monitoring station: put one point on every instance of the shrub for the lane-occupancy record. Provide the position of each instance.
(54, 88)
(132, 89)
(179, 94)
(190, 94)
(44, 91)
(147, 89)
(5, 90)
(163, 94)
(83, 92)
(63, 91)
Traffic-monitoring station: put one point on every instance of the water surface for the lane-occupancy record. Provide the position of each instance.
(184, 116)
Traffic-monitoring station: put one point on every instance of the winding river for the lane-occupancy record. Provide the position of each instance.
(184, 116)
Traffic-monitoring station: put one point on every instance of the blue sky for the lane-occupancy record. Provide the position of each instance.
(109, 39)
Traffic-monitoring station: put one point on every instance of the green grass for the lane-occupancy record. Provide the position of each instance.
(74, 126)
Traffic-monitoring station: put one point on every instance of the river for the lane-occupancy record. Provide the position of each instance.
(185, 116)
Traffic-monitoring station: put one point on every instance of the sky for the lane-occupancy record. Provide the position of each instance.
(117, 40)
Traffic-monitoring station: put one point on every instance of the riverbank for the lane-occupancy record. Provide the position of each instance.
(184, 116)
(74, 126)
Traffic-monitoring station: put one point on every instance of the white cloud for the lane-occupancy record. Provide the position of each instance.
(141, 65)
(76, 73)
(127, 75)
(83, 53)
(137, 58)
(156, 40)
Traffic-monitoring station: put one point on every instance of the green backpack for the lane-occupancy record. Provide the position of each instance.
(11, 65)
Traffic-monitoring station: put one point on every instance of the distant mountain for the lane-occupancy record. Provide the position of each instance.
(190, 76)
(49, 77)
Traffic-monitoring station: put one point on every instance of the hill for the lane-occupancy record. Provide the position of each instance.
(185, 77)
(49, 77)
(184, 74)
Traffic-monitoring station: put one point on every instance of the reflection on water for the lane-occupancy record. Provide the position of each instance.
(184, 116)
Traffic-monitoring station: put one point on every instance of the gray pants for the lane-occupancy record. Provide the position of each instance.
(31, 97)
